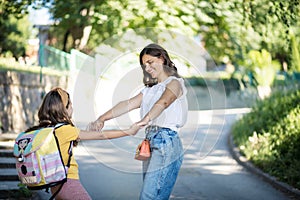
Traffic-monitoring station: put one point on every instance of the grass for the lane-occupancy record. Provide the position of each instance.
(9, 64)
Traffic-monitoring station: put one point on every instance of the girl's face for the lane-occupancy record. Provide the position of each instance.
(153, 65)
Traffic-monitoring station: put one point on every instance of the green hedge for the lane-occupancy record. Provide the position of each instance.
(269, 136)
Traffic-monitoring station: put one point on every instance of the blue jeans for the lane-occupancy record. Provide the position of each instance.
(161, 170)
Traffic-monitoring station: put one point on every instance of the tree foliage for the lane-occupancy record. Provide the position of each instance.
(238, 26)
(14, 27)
(275, 21)
(227, 28)
(109, 18)
(16, 8)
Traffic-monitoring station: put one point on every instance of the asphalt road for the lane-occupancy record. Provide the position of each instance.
(108, 170)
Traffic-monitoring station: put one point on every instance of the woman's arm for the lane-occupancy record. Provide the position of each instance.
(118, 110)
(108, 134)
(172, 92)
(122, 108)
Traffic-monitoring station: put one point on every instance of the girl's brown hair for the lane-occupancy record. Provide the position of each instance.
(54, 109)
(159, 52)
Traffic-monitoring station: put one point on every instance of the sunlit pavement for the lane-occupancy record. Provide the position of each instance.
(108, 170)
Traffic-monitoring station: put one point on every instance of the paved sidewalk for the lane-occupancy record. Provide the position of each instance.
(108, 170)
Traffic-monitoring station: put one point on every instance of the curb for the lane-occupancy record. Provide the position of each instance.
(283, 187)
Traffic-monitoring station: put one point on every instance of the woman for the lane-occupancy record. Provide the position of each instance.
(164, 109)
(57, 108)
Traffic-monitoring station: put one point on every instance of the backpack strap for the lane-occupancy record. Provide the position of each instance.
(57, 191)
(70, 154)
(70, 147)
(69, 159)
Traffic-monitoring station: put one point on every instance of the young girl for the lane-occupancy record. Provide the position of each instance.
(57, 108)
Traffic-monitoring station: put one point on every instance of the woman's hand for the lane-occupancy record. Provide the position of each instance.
(143, 122)
(95, 126)
(134, 128)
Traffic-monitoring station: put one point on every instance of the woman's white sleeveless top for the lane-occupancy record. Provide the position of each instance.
(175, 115)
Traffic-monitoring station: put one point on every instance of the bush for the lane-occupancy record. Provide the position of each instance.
(269, 136)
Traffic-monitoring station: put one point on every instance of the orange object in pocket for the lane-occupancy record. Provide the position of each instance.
(143, 150)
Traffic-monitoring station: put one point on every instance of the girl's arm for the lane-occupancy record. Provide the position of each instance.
(108, 134)
(172, 92)
(118, 110)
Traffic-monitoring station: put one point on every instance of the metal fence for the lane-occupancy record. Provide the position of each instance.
(54, 58)
(51, 57)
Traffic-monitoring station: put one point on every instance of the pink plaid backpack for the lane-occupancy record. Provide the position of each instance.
(38, 159)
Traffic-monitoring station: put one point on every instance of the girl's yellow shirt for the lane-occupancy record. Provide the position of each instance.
(65, 134)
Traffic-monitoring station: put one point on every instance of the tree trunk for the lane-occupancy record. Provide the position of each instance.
(66, 40)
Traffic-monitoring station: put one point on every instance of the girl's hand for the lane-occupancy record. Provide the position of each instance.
(95, 126)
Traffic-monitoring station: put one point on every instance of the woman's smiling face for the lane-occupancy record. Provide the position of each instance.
(153, 65)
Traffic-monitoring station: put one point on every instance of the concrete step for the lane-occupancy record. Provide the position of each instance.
(6, 159)
(6, 162)
(6, 153)
(10, 194)
(7, 140)
(8, 174)
(9, 185)
(7, 144)
(8, 136)
(9, 190)
(18, 195)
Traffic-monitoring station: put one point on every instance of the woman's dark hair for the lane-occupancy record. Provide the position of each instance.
(159, 52)
(52, 111)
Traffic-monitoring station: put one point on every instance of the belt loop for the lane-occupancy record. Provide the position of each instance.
(152, 128)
